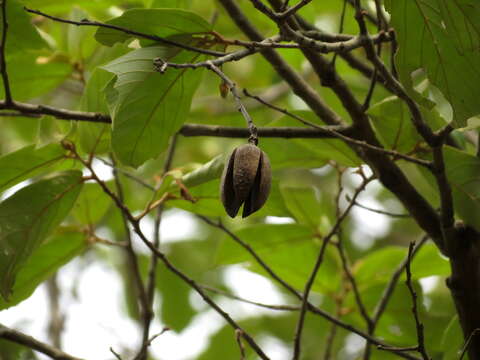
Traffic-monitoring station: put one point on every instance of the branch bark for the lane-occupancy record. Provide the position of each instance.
(22, 339)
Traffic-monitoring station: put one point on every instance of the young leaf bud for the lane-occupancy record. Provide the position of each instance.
(246, 180)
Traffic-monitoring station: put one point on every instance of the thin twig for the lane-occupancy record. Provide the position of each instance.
(467, 343)
(152, 271)
(238, 339)
(233, 89)
(3, 62)
(86, 22)
(417, 117)
(127, 174)
(418, 324)
(378, 211)
(313, 274)
(253, 138)
(132, 259)
(266, 306)
(340, 30)
(192, 283)
(312, 308)
(388, 292)
(115, 354)
(345, 138)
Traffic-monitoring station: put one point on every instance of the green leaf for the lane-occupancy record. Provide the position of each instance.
(392, 122)
(463, 173)
(303, 204)
(31, 76)
(80, 40)
(22, 35)
(95, 138)
(169, 3)
(175, 308)
(378, 266)
(13, 351)
(159, 22)
(43, 262)
(205, 173)
(149, 107)
(428, 262)
(28, 216)
(27, 162)
(442, 38)
(452, 340)
(91, 205)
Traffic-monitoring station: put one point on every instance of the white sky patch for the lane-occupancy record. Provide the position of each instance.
(103, 171)
(29, 316)
(96, 320)
(274, 348)
(190, 342)
(296, 103)
(251, 286)
(429, 283)
(353, 345)
(279, 220)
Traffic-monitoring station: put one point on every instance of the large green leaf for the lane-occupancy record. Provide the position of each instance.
(43, 262)
(452, 340)
(149, 107)
(392, 122)
(26, 162)
(14, 351)
(207, 172)
(29, 77)
(91, 205)
(441, 37)
(95, 137)
(303, 204)
(28, 216)
(378, 266)
(463, 173)
(22, 35)
(160, 22)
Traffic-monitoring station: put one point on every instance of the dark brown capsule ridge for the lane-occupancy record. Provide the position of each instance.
(246, 180)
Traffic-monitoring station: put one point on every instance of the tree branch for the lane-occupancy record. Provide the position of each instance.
(299, 86)
(418, 324)
(22, 339)
(86, 22)
(152, 271)
(3, 62)
(310, 307)
(192, 283)
(313, 274)
(388, 292)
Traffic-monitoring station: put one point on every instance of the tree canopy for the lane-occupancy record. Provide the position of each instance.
(365, 113)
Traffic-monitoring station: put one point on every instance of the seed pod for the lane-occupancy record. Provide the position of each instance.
(246, 180)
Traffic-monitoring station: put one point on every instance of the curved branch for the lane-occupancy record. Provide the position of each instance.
(32, 343)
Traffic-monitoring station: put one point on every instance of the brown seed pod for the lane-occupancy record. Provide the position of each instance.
(246, 180)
